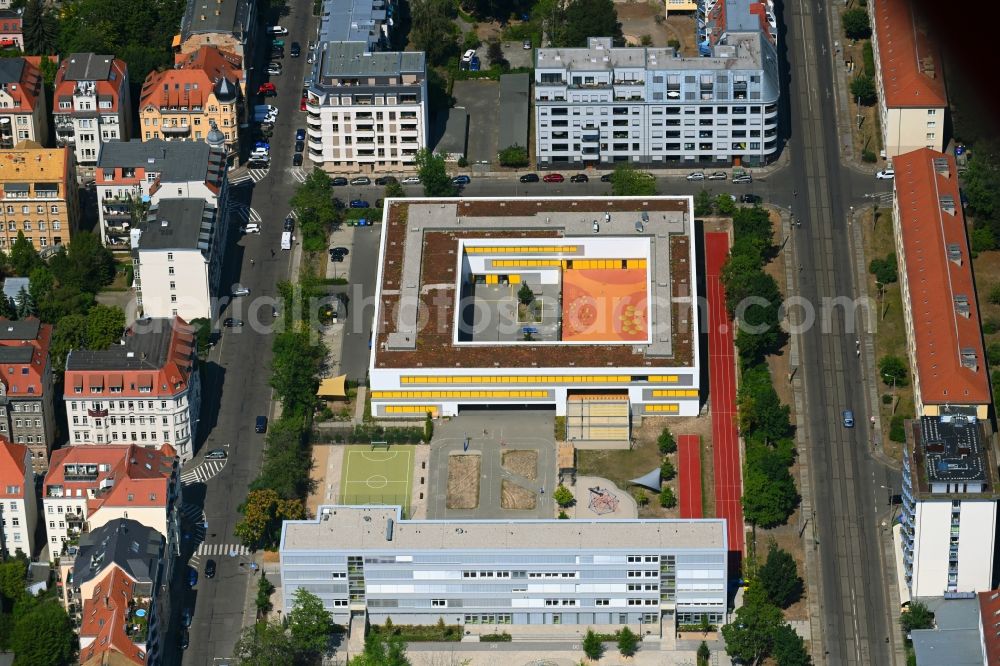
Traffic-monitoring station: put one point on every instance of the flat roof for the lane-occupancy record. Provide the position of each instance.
(178, 224)
(910, 63)
(358, 528)
(951, 449)
(353, 20)
(423, 239)
(947, 336)
(221, 16)
(955, 639)
(346, 59)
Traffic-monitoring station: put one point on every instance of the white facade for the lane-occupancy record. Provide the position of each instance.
(600, 105)
(167, 419)
(174, 282)
(18, 508)
(367, 111)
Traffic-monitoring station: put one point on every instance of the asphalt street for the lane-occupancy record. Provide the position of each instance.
(855, 604)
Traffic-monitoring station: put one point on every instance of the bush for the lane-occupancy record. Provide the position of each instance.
(886, 399)
(993, 354)
(856, 25)
(990, 326)
(462, 162)
(666, 442)
(513, 156)
(563, 496)
(667, 470)
(674, 43)
(897, 431)
(502, 637)
(869, 59)
(667, 498)
(869, 156)
(983, 240)
(863, 89)
(563, 515)
(995, 294)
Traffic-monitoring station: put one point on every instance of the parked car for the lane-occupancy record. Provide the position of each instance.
(360, 203)
(260, 425)
(209, 568)
(411, 180)
(192, 580)
(339, 250)
(338, 181)
(529, 178)
(745, 179)
(461, 180)
(277, 30)
(186, 614)
(300, 134)
(385, 180)
(257, 163)
(302, 103)
(750, 199)
(297, 159)
(296, 50)
(337, 258)
(886, 174)
(277, 53)
(240, 291)
(289, 224)
(267, 90)
(717, 175)
(184, 639)
(848, 418)
(361, 180)
(250, 228)
(526, 45)
(274, 68)
(229, 322)
(553, 178)
(696, 175)
(579, 178)
(468, 55)
(606, 178)
(216, 454)
(300, 146)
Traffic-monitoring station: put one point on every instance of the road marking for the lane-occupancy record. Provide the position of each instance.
(257, 175)
(203, 472)
(242, 178)
(219, 549)
(299, 175)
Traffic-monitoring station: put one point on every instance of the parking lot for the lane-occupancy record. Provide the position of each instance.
(482, 101)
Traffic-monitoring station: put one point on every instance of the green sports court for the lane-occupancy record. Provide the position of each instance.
(377, 475)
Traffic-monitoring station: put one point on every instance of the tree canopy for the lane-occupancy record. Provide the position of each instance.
(580, 19)
(432, 29)
(382, 651)
(264, 644)
(779, 577)
(433, 174)
(314, 210)
(263, 513)
(310, 625)
(627, 181)
(43, 634)
(750, 636)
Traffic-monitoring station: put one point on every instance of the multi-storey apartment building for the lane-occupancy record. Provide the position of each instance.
(18, 507)
(11, 28)
(88, 487)
(228, 24)
(132, 175)
(27, 410)
(947, 529)
(944, 337)
(909, 74)
(484, 573)
(39, 195)
(146, 391)
(366, 110)
(23, 108)
(367, 21)
(177, 255)
(91, 105)
(181, 104)
(114, 589)
(600, 105)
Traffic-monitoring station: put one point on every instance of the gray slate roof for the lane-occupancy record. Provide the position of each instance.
(22, 329)
(89, 67)
(232, 18)
(175, 161)
(146, 350)
(127, 543)
(11, 69)
(182, 224)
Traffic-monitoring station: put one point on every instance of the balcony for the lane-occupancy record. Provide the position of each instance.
(314, 121)
(137, 619)
(176, 130)
(313, 108)
(97, 413)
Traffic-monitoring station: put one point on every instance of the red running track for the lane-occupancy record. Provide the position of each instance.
(689, 461)
(722, 384)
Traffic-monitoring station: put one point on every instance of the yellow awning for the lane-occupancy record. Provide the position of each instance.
(177, 41)
(333, 387)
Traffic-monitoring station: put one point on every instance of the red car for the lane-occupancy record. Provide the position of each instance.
(302, 104)
(267, 89)
(553, 178)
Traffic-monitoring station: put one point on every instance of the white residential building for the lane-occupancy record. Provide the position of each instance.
(366, 111)
(486, 573)
(91, 105)
(947, 529)
(18, 507)
(178, 255)
(146, 391)
(601, 105)
(132, 175)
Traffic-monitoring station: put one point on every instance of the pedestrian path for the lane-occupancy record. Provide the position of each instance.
(222, 549)
(203, 472)
(689, 482)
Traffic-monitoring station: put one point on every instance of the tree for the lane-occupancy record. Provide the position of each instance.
(86, 266)
(8, 309)
(295, 367)
(40, 29)
(13, 575)
(916, 616)
(394, 190)
(981, 185)
(263, 512)
(525, 295)
(789, 649)
(563, 496)
(666, 442)
(725, 204)
(23, 257)
(769, 494)
(856, 25)
(314, 209)
(105, 326)
(640, 496)
(628, 642)
(432, 29)
(704, 654)
(264, 644)
(626, 181)
(428, 428)
(587, 18)
(779, 576)
(592, 646)
(265, 589)
(667, 470)
(43, 634)
(885, 270)
(25, 304)
(310, 625)
(202, 333)
(982, 240)
(513, 156)
(69, 333)
(893, 370)
(433, 175)
(668, 499)
(863, 89)
(494, 53)
(750, 636)
(703, 203)
(382, 651)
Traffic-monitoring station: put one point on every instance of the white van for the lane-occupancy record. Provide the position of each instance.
(286, 240)
(277, 30)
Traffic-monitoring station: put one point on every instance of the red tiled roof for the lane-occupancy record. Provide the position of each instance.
(24, 93)
(989, 612)
(104, 621)
(108, 87)
(27, 379)
(12, 468)
(193, 82)
(911, 65)
(940, 332)
(138, 476)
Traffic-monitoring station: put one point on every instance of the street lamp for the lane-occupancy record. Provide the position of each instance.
(886, 375)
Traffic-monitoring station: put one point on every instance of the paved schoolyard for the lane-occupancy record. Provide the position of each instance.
(377, 476)
(490, 433)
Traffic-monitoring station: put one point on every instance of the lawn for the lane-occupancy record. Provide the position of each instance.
(619, 465)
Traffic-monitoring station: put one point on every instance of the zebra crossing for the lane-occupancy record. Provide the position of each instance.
(222, 550)
(299, 175)
(257, 175)
(203, 472)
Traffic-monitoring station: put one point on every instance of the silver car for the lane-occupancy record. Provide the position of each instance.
(696, 175)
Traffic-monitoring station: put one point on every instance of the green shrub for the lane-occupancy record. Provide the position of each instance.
(666, 442)
(990, 326)
(886, 399)
(995, 294)
(502, 637)
(513, 156)
(868, 156)
(993, 354)
(897, 431)
(983, 240)
(869, 59)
